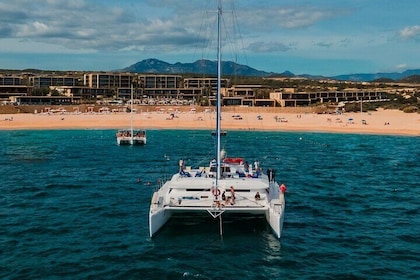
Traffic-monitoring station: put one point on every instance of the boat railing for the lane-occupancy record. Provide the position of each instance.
(162, 181)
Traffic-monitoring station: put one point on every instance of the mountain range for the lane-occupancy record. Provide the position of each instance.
(230, 68)
(202, 66)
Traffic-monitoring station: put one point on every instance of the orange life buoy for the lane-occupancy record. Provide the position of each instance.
(215, 192)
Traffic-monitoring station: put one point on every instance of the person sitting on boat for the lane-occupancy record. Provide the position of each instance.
(240, 173)
(184, 173)
(257, 196)
(224, 196)
(246, 166)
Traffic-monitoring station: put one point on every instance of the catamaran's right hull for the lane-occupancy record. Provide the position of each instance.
(275, 215)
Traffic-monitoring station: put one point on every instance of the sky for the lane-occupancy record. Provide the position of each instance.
(317, 37)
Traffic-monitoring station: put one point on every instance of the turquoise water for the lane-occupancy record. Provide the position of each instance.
(72, 207)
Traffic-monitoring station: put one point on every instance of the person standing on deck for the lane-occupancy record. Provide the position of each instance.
(181, 165)
(283, 188)
(256, 165)
(232, 194)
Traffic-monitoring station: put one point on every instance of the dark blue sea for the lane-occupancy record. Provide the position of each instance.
(74, 205)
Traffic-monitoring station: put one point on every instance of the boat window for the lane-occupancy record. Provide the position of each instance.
(226, 169)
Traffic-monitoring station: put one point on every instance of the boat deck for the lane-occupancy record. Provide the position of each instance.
(240, 191)
(194, 189)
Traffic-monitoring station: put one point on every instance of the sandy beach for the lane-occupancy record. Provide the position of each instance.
(388, 122)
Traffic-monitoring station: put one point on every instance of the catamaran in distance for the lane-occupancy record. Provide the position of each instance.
(131, 136)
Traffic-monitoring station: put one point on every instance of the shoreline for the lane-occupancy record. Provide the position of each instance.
(381, 122)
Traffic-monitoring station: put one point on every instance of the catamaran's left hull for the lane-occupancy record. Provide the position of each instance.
(157, 220)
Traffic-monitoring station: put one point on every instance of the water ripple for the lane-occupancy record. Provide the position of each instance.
(75, 205)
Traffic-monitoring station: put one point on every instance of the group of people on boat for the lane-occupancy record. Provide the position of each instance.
(226, 198)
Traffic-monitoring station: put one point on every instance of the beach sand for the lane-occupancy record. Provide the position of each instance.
(388, 122)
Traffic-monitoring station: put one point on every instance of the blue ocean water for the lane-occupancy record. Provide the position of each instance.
(74, 205)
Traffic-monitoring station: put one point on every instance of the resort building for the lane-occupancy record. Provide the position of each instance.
(159, 86)
(46, 100)
(293, 99)
(51, 80)
(208, 83)
(160, 89)
(12, 85)
(247, 95)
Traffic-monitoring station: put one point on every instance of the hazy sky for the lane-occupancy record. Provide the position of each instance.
(325, 37)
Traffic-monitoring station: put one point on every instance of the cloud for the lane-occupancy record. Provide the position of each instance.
(266, 47)
(342, 43)
(402, 66)
(410, 32)
(272, 18)
(296, 18)
(94, 26)
(325, 44)
(144, 25)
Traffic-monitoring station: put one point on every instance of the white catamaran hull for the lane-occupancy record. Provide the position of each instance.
(129, 141)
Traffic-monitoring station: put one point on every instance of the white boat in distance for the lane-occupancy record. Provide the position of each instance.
(131, 136)
(227, 187)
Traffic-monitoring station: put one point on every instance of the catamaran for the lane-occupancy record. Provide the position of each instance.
(227, 187)
(131, 136)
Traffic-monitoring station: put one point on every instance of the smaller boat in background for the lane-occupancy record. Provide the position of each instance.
(222, 133)
(131, 136)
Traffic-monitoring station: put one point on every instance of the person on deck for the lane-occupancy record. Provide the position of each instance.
(232, 194)
(181, 165)
(246, 167)
(256, 165)
(283, 188)
(224, 196)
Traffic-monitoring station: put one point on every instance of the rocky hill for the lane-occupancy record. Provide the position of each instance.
(202, 66)
(230, 68)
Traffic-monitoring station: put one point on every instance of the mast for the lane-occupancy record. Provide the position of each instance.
(218, 96)
(131, 117)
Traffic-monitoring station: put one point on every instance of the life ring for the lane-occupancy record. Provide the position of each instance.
(215, 192)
